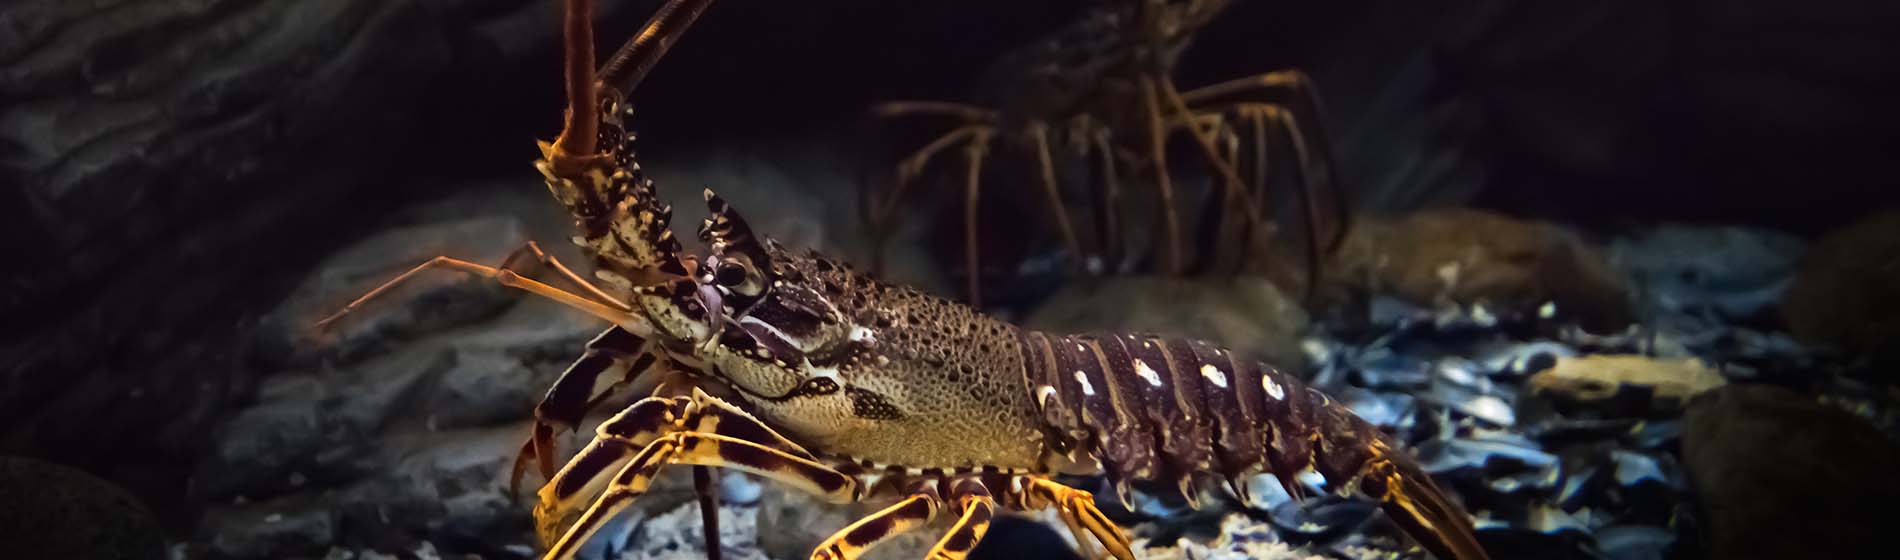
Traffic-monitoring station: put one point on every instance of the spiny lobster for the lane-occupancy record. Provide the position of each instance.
(1103, 87)
(795, 368)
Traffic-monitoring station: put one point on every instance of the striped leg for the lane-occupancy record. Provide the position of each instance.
(974, 500)
(630, 449)
(1078, 511)
(908, 514)
(572, 396)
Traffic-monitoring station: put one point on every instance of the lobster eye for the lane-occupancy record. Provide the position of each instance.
(729, 274)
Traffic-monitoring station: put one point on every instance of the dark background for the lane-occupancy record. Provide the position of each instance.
(171, 171)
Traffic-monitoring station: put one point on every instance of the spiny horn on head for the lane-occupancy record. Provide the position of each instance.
(728, 232)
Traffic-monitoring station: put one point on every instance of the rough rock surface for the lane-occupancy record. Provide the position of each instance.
(1847, 295)
(1468, 257)
(396, 427)
(171, 168)
(53, 511)
(1732, 272)
(1783, 477)
(1244, 313)
(1598, 378)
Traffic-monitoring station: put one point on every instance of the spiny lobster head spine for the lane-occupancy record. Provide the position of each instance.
(776, 311)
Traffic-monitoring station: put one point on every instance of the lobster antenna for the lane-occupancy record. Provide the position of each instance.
(630, 64)
(579, 132)
(579, 137)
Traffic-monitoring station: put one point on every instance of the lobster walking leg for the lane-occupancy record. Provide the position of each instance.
(880, 212)
(696, 430)
(1308, 109)
(1077, 509)
(974, 500)
(912, 166)
(973, 152)
(1260, 116)
(1157, 144)
(572, 396)
(1231, 185)
(1040, 131)
(708, 491)
(914, 511)
(1108, 223)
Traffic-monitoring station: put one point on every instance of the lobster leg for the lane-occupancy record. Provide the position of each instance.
(1110, 222)
(914, 511)
(978, 507)
(1299, 86)
(696, 430)
(1157, 143)
(1040, 131)
(879, 216)
(976, 120)
(708, 491)
(568, 401)
(1259, 169)
(1230, 181)
(1078, 511)
(1264, 114)
(973, 152)
(913, 165)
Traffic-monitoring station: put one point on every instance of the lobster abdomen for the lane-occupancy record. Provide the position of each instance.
(1172, 409)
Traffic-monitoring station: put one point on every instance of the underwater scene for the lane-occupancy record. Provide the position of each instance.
(1090, 279)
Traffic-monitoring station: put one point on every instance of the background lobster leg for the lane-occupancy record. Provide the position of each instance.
(1319, 241)
(1231, 185)
(972, 193)
(973, 499)
(880, 213)
(1305, 124)
(1157, 157)
(914, 511)
(975, 120)
(1108, 204)
(1039, 131)
(695, 430)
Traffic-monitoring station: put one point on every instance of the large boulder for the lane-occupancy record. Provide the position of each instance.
(1847, 295)
(171, 168)
(55, 511)
(1467, 257)
(1782, 476)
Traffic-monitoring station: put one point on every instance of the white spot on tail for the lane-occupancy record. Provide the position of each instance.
(1273, 389)
(1148, 373)
(1087, 389)
(1214, 375)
